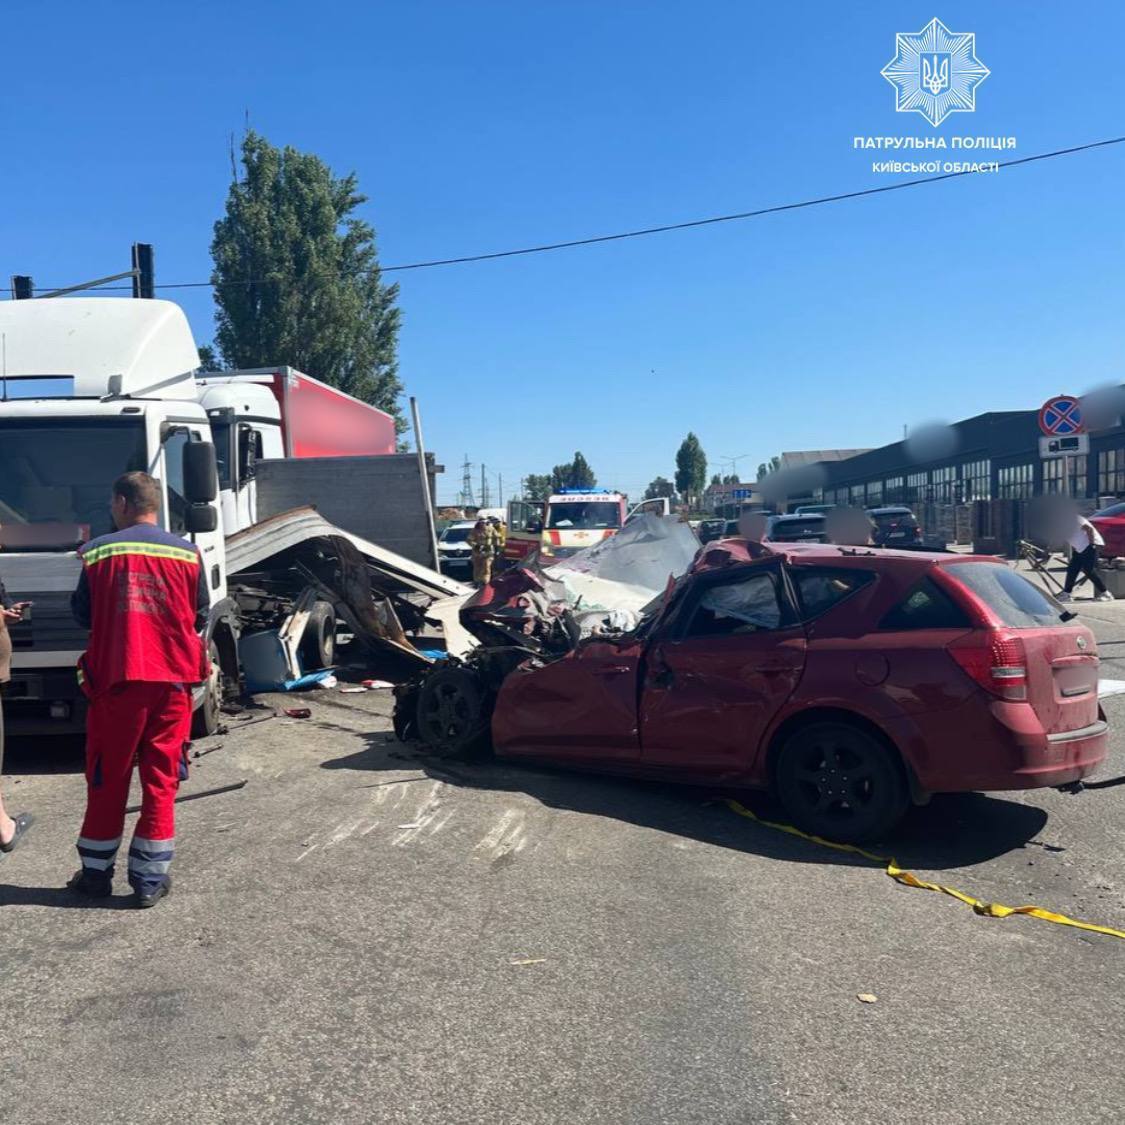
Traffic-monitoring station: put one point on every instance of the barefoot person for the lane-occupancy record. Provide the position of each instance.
(12, 828)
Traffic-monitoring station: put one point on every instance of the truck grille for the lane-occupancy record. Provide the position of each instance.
(51, 628)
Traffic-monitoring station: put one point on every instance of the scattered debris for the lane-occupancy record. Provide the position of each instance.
(541, 960)
(866, 997)
(353, 690)
(209, 750)
(202, 793)
(371, 685)
(298, 712)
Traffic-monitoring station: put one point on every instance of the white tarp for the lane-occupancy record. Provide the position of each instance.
(628, 570)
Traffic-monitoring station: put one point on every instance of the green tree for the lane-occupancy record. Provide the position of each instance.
(207, 359)
(537, 487)
(716, 481)
(574, 474)
(691, 468)
(659, 487)
(765, 468)
(297, 277)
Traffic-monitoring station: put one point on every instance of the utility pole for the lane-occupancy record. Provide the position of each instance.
(483, 487)
(500, 483)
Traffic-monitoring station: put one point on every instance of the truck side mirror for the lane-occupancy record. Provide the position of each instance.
(249, 451)
(201, 473)
(200, 518)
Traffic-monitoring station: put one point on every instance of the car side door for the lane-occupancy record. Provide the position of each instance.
(581, 707)
(719, 669)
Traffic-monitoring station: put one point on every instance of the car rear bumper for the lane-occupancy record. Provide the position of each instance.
(990, 744)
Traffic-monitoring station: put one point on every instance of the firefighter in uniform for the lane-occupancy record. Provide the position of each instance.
(482, 540)
(143, 596)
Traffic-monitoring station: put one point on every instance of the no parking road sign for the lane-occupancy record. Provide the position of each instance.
(1061, 416)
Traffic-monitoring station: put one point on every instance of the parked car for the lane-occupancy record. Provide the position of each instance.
(812, 509)
(730, 529)
(455, 557)
(848, 681)
(895, 526)
(1111, 523)
(812, 528)
(710, 530)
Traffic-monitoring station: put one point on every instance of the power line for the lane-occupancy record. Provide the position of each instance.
(643, 232)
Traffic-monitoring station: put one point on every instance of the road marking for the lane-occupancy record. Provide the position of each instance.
(1110, 687)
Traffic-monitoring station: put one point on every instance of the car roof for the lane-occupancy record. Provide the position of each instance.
(889, 510)
(741, 552)
(800, 516)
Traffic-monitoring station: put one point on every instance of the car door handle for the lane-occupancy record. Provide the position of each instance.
(615, 670)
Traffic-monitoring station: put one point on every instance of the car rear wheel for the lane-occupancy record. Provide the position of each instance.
(837, 781)
(454, 713)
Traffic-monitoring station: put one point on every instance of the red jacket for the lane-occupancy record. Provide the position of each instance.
(143, 596)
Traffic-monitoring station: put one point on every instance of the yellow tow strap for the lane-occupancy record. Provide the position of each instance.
(907, 879)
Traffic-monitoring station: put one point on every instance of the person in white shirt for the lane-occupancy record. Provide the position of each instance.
(1085, 539)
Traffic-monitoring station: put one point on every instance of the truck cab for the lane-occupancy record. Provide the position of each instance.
(91, 388)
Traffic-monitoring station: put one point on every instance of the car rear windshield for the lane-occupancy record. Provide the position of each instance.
(1015, 601)
(1112, 510)
(885, 519)
(804, 524)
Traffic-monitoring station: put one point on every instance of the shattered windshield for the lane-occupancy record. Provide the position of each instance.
(584, 515)
(56, 475)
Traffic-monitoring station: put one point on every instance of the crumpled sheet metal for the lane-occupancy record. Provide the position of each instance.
(627, 571)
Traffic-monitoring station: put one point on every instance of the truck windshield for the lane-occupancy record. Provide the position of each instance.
(585, 514)
(455, 534)
(56, 476)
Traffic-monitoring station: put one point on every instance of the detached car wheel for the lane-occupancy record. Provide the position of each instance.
(318, 645)
(839, 782)
(205, 721)
(454, 713)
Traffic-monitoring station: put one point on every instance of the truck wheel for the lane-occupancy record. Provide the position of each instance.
(208, 714)
(318, 645)
(837, 781)
(454, 713)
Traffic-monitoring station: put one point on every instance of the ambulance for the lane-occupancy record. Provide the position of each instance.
(571, 520)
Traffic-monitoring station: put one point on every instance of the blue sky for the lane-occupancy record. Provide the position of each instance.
(484, 126)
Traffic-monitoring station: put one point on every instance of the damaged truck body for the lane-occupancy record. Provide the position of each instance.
(850, 681)
(94, 387)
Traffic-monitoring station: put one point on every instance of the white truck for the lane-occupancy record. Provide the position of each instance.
(93, 387)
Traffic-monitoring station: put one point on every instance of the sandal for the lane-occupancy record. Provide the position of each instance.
(23, 822)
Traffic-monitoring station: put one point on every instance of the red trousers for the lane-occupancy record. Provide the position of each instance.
(148, 724)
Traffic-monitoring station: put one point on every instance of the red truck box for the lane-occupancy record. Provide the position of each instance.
(319, 421)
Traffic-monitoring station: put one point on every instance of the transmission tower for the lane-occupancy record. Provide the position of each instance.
(466, 498)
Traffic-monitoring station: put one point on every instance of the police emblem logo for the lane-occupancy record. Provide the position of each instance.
(935, 72)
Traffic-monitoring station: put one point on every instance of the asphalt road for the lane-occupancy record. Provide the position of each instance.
(356, 936)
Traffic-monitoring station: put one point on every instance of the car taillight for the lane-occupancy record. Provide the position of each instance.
(994, 659)
(555, 537)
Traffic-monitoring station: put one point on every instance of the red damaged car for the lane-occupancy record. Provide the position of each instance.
(848, 680)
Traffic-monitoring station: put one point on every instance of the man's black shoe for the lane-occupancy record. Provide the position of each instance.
(92, 884)
(144, 901)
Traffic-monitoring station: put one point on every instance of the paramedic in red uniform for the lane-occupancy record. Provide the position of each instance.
(143, 596)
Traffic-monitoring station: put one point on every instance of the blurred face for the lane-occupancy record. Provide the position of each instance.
(752, 526)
